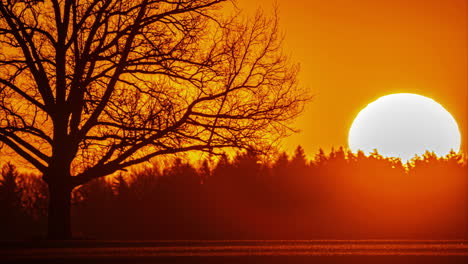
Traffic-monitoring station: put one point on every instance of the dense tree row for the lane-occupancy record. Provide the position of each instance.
(339, 195)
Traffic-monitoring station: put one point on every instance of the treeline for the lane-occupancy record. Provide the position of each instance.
(339, 195)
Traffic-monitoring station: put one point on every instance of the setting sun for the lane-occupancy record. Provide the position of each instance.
(404, 125)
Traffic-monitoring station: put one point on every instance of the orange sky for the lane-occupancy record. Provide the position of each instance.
(353, 51)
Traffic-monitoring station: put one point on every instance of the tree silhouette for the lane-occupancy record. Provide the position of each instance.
(10, 199)
(10, 193)
(90, 87)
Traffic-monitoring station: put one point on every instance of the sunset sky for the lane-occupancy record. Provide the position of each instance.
(354, 51)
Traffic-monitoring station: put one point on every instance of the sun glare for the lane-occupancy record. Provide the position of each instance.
(404, 125)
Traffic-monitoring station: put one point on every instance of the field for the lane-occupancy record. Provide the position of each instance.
(303, 251)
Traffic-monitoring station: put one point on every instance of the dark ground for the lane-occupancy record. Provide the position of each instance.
(207, 252)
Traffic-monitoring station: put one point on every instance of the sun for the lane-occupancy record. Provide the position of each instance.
(404, 125)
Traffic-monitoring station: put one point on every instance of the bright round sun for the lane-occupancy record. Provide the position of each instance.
(404, 125)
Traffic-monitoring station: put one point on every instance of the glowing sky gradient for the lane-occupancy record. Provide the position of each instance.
(355, 51)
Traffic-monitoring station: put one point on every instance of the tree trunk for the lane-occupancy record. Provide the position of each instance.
(59, 220)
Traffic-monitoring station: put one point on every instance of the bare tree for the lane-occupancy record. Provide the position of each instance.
(89, 87)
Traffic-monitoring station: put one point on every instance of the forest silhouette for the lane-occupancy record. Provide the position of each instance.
(339, 195)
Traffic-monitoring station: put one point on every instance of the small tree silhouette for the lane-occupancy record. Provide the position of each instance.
(91, 87)
(10, 193)
(10, 201)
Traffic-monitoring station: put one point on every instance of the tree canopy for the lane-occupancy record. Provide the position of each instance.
(108, 84)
